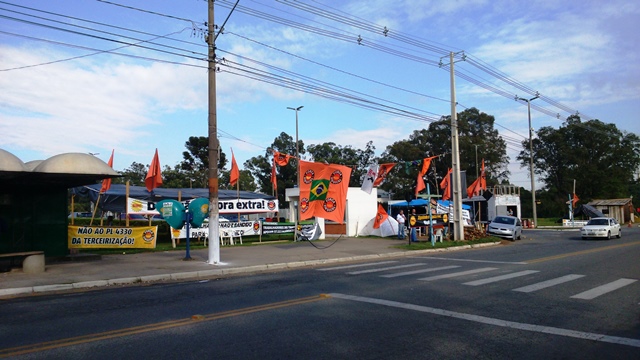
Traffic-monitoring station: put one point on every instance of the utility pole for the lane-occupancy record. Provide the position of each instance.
(214, 231)
(477, 162)
(531, 175)
(295, 230)
(458, 224)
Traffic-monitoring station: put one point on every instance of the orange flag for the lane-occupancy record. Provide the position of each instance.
(274, 178)
(234, 175)
(574, 200)
(381, 217)
(154, 176)
(106, 183)
(420, 185)
(478, 184)
(446, 186)
(323, 190)
(383, 171)
(280, 158)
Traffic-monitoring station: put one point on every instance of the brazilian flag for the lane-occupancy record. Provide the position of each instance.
(319, 189)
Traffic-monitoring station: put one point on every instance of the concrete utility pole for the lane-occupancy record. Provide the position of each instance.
(458, 223)
(214, 231)
(295, 230)
(532, 176)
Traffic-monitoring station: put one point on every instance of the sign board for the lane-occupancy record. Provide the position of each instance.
(98, 237)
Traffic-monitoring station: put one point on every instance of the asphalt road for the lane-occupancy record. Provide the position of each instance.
(550, 295)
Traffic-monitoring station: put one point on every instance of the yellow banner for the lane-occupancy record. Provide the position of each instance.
(98, 237)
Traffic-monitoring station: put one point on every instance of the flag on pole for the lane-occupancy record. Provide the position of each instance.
(445, 185)
(381, 217)
(574, 200)
(369, 178)
(154, 175)
(234, 175)
(281, 158)
(106, 183)
(383, 171)
(323, 190)
(274, 178)
(420, 185)
(479, 184)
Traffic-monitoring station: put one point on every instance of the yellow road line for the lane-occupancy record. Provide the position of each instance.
(27, 349)
(561, 256)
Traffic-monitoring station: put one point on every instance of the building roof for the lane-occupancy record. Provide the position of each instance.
(60, 171)
(610, 202)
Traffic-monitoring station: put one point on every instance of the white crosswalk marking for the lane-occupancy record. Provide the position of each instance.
(384, 269)
(356, 265)
(603, 289)
(461, 273)
(548, 283)
(500, 278)
(419, 271)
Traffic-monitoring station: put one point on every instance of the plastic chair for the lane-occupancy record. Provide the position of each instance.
(438, 235)
(226, 234)
(238, 234)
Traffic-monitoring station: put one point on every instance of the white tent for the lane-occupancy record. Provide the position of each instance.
(388, 228)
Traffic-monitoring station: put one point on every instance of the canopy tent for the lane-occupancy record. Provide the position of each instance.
(115, 198)
(387, 228)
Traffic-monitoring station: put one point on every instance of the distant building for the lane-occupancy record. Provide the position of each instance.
(619, 209)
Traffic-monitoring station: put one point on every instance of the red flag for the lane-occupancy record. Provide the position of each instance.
(420, 185)
(381, 217)
(478, 184)
(383, 171)
(446, 186)
(154, 176)
(274, 178)
(234, 175)
(106, 183)
(574, 200)
(474, 188)
(280, 158)
(323, 190)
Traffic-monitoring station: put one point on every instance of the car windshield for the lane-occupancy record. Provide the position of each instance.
(504, 220)
(598, 222)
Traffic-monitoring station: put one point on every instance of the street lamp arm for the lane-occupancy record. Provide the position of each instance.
(527, 100)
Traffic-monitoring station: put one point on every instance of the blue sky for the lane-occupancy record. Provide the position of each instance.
(68, 91)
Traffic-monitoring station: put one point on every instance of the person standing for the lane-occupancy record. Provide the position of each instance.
(414, 235)
(401, 220)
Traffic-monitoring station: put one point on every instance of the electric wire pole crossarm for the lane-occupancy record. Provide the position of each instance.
(531, 172)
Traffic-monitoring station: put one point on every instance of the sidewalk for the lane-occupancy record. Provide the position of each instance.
(112, 270)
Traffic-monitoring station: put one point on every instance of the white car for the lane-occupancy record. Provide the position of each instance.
(601, 227)
(505, 226)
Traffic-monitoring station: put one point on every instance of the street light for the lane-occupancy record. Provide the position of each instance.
(533, 182)
(295, 230)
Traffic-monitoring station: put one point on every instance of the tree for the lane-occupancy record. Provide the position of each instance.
(245, 183)
(475, 128)
(260, 166)
(359, 160)
(196, 161)
(601, 159)
(135, 174)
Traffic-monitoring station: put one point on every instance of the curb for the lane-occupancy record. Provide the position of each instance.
(207, 274)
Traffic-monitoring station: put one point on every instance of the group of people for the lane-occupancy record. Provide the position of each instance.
(402, 220)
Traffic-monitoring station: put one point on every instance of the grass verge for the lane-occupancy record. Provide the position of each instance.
(422, 245)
